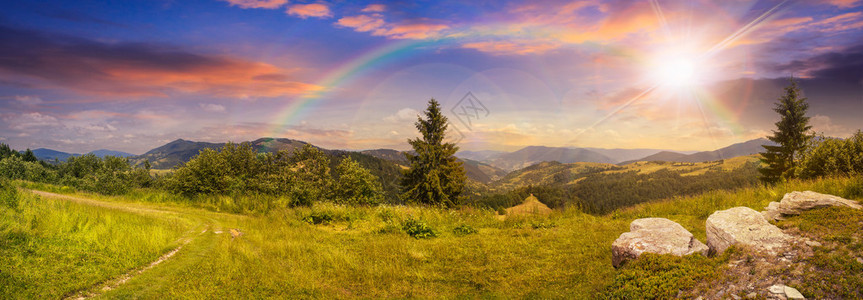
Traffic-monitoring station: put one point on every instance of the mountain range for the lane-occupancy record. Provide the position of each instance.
(482, 166)
(527, 156)
(51, 155)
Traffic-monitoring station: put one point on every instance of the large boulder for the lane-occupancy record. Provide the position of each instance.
(794, 203)
(747, 227)
(654, 235)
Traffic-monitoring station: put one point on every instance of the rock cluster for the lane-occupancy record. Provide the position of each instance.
(735, 226)
(654, 235)
(785, 292)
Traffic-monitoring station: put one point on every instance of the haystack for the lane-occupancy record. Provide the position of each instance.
(530, 206)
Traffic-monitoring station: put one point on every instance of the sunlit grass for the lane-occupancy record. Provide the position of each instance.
(364, 251)
(51, 248)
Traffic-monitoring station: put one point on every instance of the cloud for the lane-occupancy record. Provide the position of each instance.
(316, 10)
(211, 107)
(824, 125)
(28, 100)
(30, 120)
(410, 29)
(271, 4)
(843, 3)
(362, 23)
(135, 69)
(404, 114)
(511, 47)
(846, 65)
(375, 8)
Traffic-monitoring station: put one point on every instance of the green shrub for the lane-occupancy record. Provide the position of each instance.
(418, 229)
(8, 194)
(654, 276)
(356, 185)
(542, 224)
(463, 230)
(319, 217)
(832, 157)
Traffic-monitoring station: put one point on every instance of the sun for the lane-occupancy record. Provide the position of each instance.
(676, 71)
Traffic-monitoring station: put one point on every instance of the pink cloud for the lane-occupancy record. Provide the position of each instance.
(377, 26)
(362, 23)
(843, 3)
(375, 8)
(271, 4)
(316, 10)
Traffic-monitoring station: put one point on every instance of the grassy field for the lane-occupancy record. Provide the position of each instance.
(330, 251)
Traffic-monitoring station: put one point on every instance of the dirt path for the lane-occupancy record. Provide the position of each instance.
(113, 283)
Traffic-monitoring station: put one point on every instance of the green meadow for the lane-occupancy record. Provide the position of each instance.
(54, 247)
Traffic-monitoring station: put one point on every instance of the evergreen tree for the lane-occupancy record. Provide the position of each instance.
(29, 156)
(435, 176)
(791, 136)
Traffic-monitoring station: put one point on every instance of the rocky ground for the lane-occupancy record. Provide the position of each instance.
(814, 248)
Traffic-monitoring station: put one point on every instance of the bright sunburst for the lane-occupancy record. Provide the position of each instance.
(679, 72)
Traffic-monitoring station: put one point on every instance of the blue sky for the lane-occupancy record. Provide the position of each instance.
(684, 75)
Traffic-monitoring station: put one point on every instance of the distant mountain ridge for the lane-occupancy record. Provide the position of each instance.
(50, 155)
(735, 150)
(530, 155)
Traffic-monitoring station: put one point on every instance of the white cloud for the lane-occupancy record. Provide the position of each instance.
(29, 100)
(823, 124)
(404, 114)
(210, 107)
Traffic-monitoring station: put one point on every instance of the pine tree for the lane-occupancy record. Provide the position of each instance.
(435, 176)
(791, 136)
(29, 156)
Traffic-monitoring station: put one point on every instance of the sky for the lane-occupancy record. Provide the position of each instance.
(77, 76)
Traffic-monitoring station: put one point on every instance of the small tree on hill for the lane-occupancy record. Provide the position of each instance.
(356, 185)
(435, 176)
(791, 136)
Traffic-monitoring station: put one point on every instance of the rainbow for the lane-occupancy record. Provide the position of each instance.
(343, 74)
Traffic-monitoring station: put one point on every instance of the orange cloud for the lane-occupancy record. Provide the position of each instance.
(843, 3)
(375, 8)
(258, 3)
(316, 10)
(362, 23)
(375, 23)
(137, 69)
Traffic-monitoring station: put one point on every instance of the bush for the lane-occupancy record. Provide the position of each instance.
(356, 185)
(8, 194)
(655, 276)
(319, 217)
(463, 230)
(15, 167)
(418, 229)
(832, 157)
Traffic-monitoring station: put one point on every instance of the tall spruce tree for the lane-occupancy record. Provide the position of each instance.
(791, 135)
(435, 176)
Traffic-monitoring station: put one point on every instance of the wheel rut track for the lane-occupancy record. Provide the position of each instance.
(210, 225)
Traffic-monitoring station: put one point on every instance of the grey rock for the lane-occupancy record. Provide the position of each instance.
(751, 295)
(655, 235)
(794, 203)
(792, 293)
(777, 289)
(744, 226)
